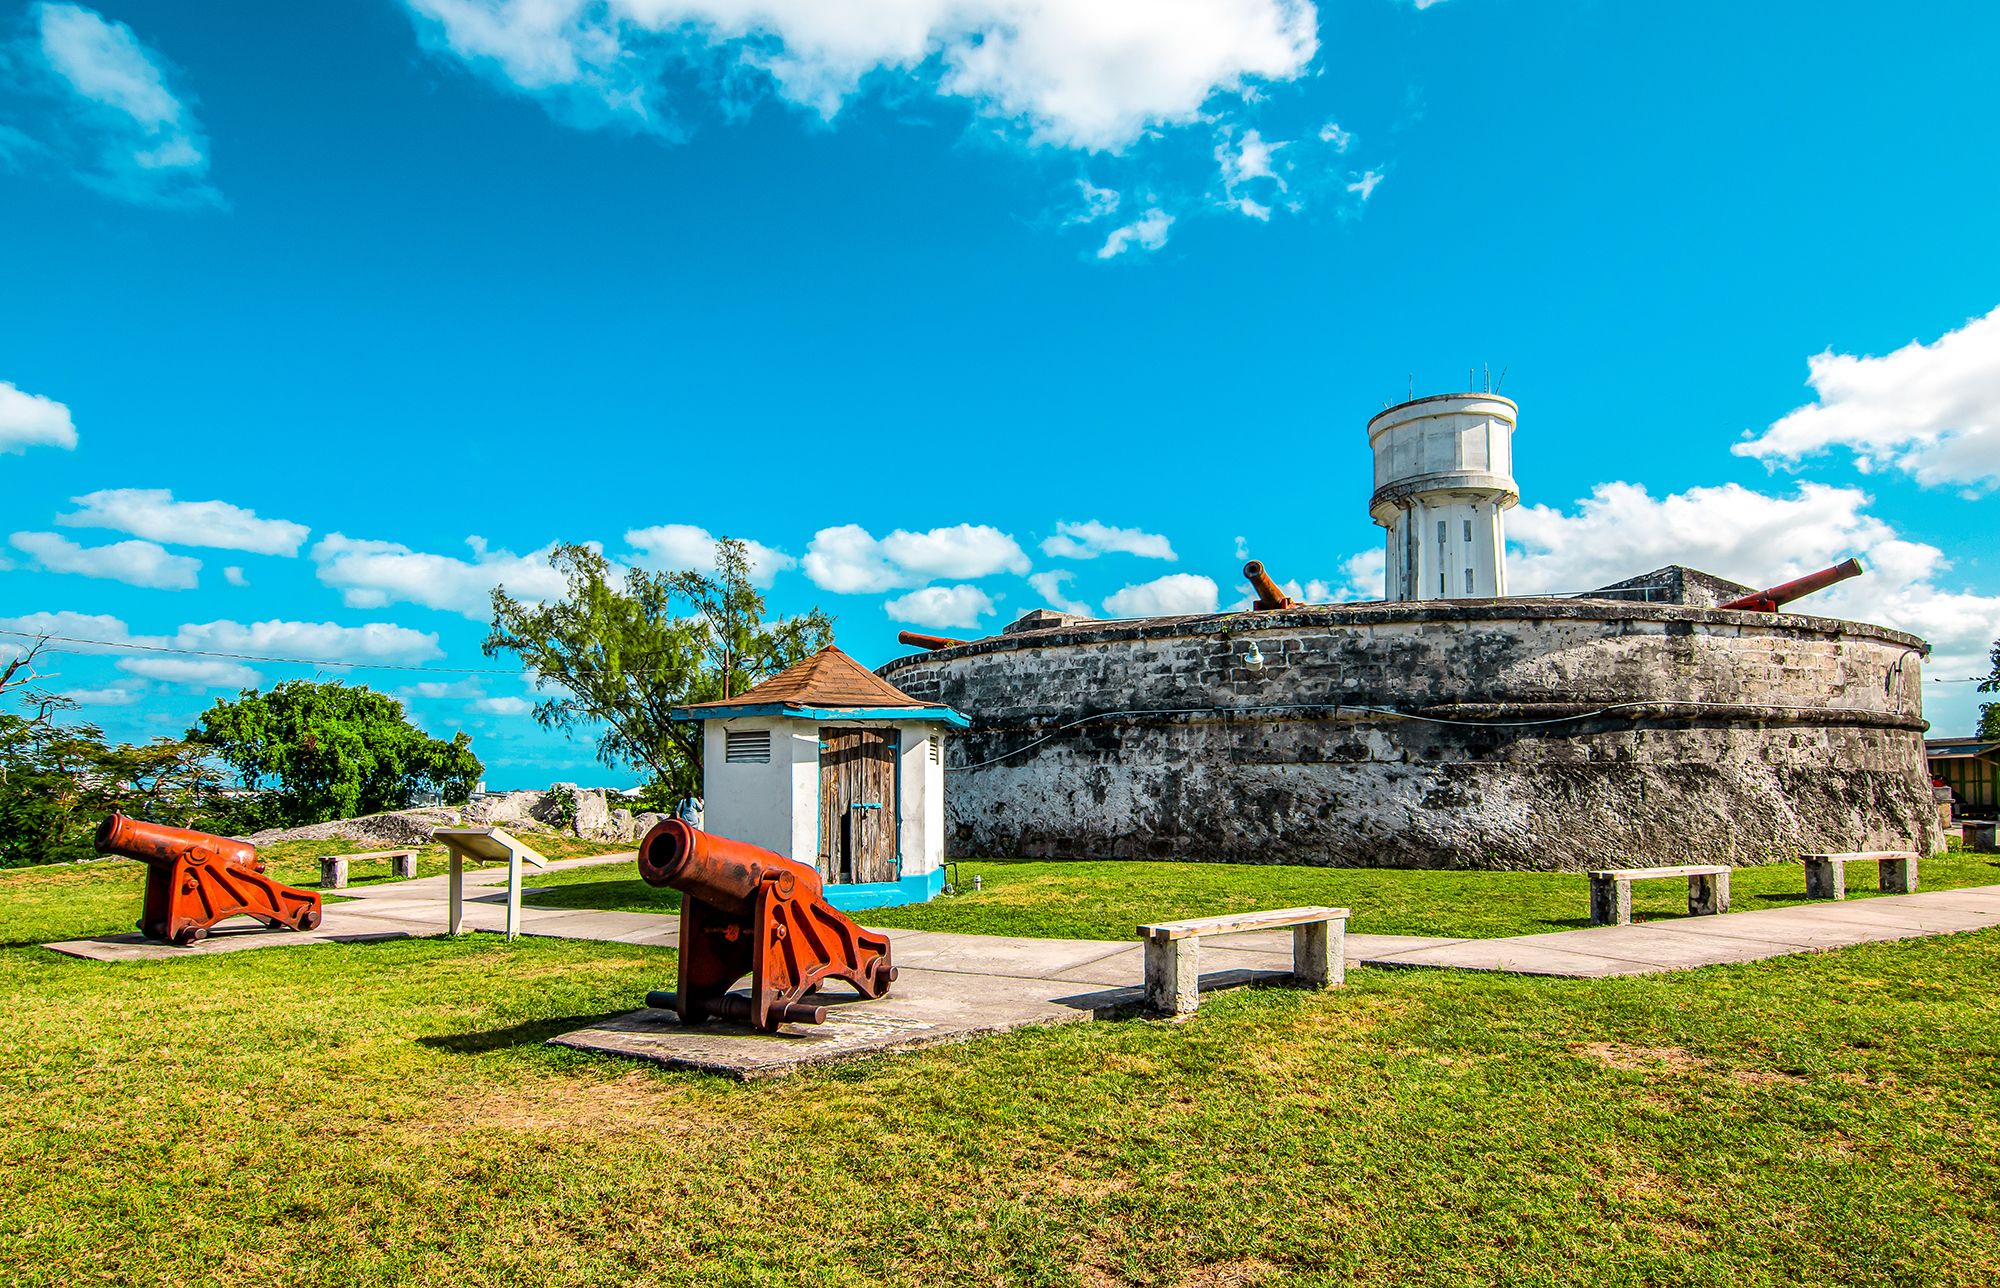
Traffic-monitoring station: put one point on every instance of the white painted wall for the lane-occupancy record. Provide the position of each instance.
(921, 838)
(1443, 480)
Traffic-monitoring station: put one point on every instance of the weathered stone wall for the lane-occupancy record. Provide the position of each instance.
(1544, 734)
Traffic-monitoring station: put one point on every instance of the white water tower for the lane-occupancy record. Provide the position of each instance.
(1444, 476)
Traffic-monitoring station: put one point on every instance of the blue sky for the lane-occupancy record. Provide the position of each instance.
(316, 319)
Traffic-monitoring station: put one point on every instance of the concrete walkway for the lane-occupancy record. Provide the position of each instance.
(952, 986)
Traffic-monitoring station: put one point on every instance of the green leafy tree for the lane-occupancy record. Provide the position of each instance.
(321, 751)
(1989, 715)
(621, 657)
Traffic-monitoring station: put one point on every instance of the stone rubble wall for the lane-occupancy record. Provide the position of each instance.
(1561, 735)
(523, 812)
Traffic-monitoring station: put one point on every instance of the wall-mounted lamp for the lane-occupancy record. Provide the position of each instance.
(1252, 657)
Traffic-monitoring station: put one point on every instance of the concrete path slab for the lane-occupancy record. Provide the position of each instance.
(998, 954)
(231, 937)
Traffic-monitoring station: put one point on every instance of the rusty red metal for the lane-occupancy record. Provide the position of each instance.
(747, 910)
(194, 880)
(1776, 597)
(917, 639)
(1268, 594)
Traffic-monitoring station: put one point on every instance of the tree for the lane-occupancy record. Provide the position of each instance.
(624, 657)
(1989, 715)
(328, 750)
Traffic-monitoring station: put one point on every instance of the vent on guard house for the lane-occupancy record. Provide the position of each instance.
(937, 751)
(747, 746)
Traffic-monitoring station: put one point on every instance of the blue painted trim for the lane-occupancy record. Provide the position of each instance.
(904, 715)
(921, 888)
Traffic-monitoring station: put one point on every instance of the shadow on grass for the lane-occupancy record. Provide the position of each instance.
(530, 1033)
(622, 895)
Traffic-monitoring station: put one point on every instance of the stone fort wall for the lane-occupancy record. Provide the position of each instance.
(1506, 734)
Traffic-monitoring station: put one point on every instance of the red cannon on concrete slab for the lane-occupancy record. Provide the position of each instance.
(1269, 596)
(1776, 597)
(747, 910)
(194, 879)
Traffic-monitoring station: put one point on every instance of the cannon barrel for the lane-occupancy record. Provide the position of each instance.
(1268, 594)
(156, 845)
(717, 870)
(917, 639)
(1772, 599)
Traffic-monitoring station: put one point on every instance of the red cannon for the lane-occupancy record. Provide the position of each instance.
(194, 880)
(1269, 596)
(917, 639)
(744, 908)
(1771, 600)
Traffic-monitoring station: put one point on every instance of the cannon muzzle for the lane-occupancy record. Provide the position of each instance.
(917, 639)
(746, 909)
(1776, 597)
(195, 879)
(1269, 596)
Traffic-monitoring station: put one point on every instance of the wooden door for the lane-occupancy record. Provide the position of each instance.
(857, 805)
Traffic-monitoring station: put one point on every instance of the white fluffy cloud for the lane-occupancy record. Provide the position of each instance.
(1363, 185)
(1147, 232)
(136, 563)
(154, 514)
(1621, 530)
(502, 706)
(234, 576)
(1082, 75)
(941, 606)
(117, 120)
(1049, 585)
(1929, 410)
(30, 420)
(1176, 594)
(1089, 539)
(683, 546)
(328, 641)
(370, 574)
(849, 560)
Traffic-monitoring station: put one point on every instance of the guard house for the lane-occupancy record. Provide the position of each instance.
(1971, 768)
(834, 767)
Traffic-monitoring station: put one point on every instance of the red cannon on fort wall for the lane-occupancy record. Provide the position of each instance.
(194, 880)
(1776, 597)
(1269, 596)
(747, 910)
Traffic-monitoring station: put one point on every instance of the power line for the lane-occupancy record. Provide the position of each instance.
(252, 657)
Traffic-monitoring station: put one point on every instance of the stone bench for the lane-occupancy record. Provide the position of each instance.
(333, 867)
(1173, 951)
(1611, 891)
(1826, 874)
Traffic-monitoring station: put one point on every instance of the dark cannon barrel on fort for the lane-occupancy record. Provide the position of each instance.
(746, 910)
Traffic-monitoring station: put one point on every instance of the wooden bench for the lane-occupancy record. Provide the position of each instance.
(1826, 874)
(1173, 952)
(333, 867)
(1611, 891)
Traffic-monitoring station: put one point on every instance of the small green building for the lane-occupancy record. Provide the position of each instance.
(1971, 768)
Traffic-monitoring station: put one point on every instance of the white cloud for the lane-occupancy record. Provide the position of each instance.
(1363, 185)
(1049, 585)
(1093, 76)
(1244, 161)
(193, 672)
(849, 560)
(1366, 576)
(1097, 202)
(1336, 138)
(1148, 232)
(1929, 410)
(940, 606)
(507, 706)
(370, 574)
(136, 563)
(234, 576)
(1174, 595)
(77, 626)
(113, 696)
(120, 123)
(1090, 539)
(30, 420)
(154, 514)
(682, 546)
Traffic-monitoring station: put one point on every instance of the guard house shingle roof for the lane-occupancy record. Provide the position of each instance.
(829, 679)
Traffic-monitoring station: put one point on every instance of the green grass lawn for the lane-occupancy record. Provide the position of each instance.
(388, 1114)
(1077, 900)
